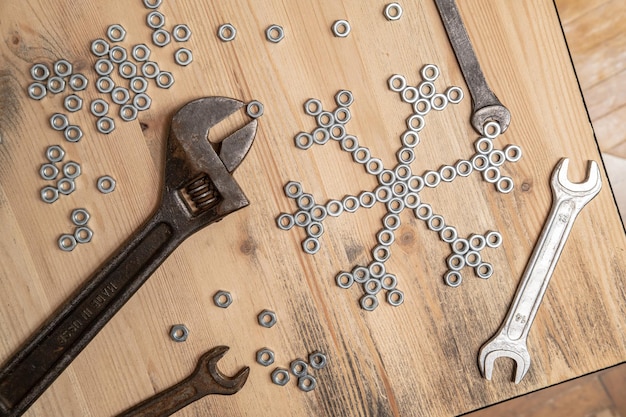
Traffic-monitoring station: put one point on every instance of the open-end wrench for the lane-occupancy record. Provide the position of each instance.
(485, 105)
(567, 201)
(206, 379)
(198, 189)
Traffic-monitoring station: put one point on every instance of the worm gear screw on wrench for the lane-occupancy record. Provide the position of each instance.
(567, 201)
(206, 379)
(198, 189)
(485, 104)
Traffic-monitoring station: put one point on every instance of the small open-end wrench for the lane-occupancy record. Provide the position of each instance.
(567, 201)
(198, 189)
(206, 379)
(485, 105)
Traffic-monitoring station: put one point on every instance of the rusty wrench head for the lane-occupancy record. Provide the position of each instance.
(198, 179)
(210, 380)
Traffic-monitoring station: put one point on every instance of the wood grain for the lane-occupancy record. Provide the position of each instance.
(417, 359)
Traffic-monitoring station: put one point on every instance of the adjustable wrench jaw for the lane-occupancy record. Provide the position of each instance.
(198, 185)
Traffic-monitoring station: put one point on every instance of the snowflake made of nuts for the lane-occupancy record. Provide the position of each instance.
(399, 188)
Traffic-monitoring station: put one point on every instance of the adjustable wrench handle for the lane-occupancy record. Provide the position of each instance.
(42, 359)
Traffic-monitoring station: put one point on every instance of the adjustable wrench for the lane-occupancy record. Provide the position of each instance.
(485, 104)
(567, 201)
(206, 379)
(198, 189)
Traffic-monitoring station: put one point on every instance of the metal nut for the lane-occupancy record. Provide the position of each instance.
(280, 376)
(141, 52)
(317, 360)
(59, 121)
(152, 4)
(105, 125)
(106, 184)
(267, 318)
(161, 37)
(307, 383)
(83, 234)
(100, 47)
(71, 170)
(78, 82)
(341, 28)
(48, 171)
(179, 333)
(66, 186)
(73, 133)
(67, 243)
(183, 57)
(55, 153)
(37, 91)
(39, 72)
(265, 357)
(56, 85)
(116, 33)
(155, 20)
(299, 367)
(222, 299)
(73, 103)
(62, 68)
(127, 70)
(49, 194)
(142, 101)
(181, 33)
(226, 32)
(165, 79)
(80, 216)
(275, 33)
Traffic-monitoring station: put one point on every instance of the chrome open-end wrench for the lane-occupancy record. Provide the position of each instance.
(485, 105)
(198, 189)
(206, 379)
(567, 201)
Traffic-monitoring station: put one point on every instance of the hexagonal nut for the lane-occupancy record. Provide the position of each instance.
(179, 333)
(317, 360)
(222, 299)
(62, 68)
(307, 383)
(265, 356)
(73, 103)
(49, 194)
(280, 376)
(71, 169)
(116, 33)
(80, 216)
(267, 318)
(299, 367)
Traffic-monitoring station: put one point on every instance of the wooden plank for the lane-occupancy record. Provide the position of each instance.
(601, 99)
(570, 10)
(614, 381)
(609, 132)
(578, 398)
(417, 359)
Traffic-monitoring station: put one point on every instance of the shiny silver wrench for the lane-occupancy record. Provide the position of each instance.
(485, 105)
(567, 201)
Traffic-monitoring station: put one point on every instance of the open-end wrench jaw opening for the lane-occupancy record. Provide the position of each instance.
(217, 382)
(495, 349)
(589, 187)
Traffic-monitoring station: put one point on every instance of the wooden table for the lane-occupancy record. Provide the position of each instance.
(416, 359)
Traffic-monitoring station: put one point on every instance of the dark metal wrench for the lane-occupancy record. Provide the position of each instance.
(485, 105)
(206, 379)
(568, 200)
(198, 189)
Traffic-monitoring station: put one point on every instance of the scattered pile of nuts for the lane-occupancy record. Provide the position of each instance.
(50, 172)
(82, 233)
(298, 368)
